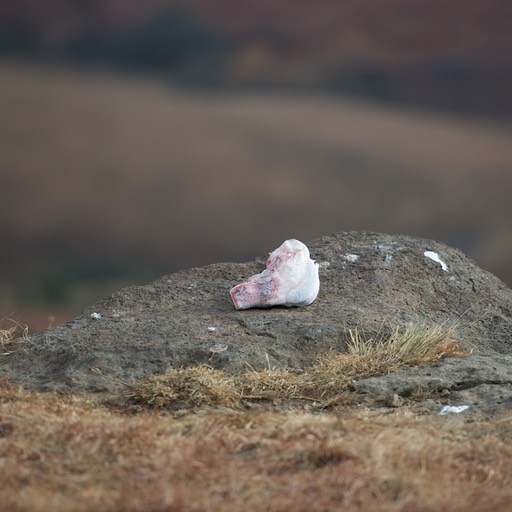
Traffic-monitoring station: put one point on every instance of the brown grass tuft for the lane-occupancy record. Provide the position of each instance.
(410, 344)
(10, 331)
(188, 387)
(269, 383)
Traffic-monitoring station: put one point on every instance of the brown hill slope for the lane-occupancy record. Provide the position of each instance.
(98, 168)
(450, 55)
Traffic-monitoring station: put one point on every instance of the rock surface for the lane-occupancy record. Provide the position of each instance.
(368, 281)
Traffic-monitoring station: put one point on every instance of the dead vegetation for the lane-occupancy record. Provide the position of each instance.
(10, 331)
(326, 383)
(65, 453)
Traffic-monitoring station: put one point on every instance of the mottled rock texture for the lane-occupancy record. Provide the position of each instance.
(370, 281)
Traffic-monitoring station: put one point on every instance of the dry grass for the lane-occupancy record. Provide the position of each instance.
(412, 344)
(10, 331)
(194, 387)
(326, 383)
(66, 453)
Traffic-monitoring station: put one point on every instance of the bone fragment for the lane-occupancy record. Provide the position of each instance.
(290, 279)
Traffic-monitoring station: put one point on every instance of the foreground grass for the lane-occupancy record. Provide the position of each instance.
(66, 453)
(10, 331)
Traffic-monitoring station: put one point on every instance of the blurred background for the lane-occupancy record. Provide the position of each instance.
(141, 138)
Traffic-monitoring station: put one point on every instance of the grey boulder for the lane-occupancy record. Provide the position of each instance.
(367, 280)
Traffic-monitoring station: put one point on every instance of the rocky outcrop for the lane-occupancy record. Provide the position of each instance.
(368, 281)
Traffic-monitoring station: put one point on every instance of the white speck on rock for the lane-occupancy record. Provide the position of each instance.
(435, 257)
(351, 257)
(386, 249)
(452, 409)
(95, 316)
(324, 264)
(211, 328)
(218, 347)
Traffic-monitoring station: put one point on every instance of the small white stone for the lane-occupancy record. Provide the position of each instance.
(218, 347)
(435, 257)
(95, 316)
(453, 409)
(211, 328)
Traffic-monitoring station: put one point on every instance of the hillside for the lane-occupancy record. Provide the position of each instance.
(108, 178)
(451, 56)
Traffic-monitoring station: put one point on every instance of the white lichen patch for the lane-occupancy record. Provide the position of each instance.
(435, 257)
(351, 257)
(386, 249)
(453, 409)
(218, 347)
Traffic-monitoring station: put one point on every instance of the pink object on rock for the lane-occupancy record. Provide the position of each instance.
(290, 279)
